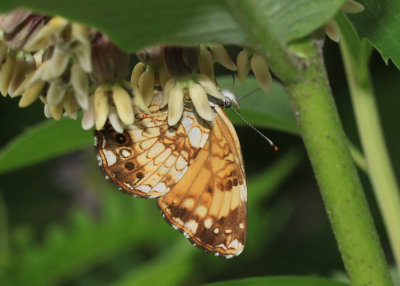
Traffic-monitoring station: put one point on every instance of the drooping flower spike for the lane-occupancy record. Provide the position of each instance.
(53, 59)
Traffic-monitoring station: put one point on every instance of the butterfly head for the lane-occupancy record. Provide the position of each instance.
(230, 98)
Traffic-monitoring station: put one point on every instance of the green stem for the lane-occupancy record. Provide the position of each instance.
(333, 166)
(369, 127)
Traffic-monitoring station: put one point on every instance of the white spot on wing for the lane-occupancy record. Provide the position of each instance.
(99, 161)
(180, 175)
(192, 225)
(180, 163)
(95, 141)
(125, 153)
(110, 157)
(129, 186)
(221, 246)
(195, 136)
(235, 244)
(143, 188)
(187, 123)
(160, 187)
(208, 223)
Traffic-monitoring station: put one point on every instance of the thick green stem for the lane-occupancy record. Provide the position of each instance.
(373, 142)
(333, 166)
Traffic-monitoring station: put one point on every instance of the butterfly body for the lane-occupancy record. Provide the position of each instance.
(195, 169)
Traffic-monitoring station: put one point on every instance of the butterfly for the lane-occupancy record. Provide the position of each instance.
(195, 170)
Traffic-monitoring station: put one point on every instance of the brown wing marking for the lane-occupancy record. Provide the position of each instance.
(209, 204)
(150, 157)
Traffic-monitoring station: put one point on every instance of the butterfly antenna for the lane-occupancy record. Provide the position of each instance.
(233, 81)
(256, 130)
(249, 93)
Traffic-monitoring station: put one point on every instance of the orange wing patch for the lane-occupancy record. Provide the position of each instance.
(209, 204)
(150, 157)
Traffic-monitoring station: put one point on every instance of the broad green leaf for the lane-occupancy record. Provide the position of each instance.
(136, 24)
(280, 281)
(381, 25)
(268, 110)
(42, 142)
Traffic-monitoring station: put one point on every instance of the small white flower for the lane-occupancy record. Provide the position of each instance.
(192, 89)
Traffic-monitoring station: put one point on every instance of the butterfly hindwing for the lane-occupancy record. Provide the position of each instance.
(150, 157)
(209, 204)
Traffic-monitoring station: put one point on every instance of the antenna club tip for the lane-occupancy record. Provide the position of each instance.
(276, 148)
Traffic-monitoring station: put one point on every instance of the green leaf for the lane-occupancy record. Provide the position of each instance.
(170, 268)
(280, 281)
(381, 25)
(42, 142)
(136, 24)
(89, 241)
(268, 110)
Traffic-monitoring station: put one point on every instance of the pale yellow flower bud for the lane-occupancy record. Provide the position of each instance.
(80, 33)
(48, 35)
(123, 104)
(83, 54)
(146, 86)
(58, 62)
(163, 77)
(200, 101)
(206, 63)
(352, 7)
(261, 71)
(221, 56)
(80, 82)
(208, 85)
(168, 87)
(6, 73)
(88, 118)
(55, 94)
(71, 106)
(40, 74)
(332, 30)
(30, 95)
(20, 69)
(138, 99)
(47, 111)
(243, 65)
(56, 110)
(115, 120)
(175, 105)
(23, 86)
(137, 71)
(101, 106)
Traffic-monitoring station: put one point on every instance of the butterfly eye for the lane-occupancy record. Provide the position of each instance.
(120, 138)
(227, 102)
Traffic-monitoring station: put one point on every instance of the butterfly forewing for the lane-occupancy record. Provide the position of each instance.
(150, 157)
(209, 204)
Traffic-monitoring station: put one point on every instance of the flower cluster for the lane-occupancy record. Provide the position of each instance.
(73, 68)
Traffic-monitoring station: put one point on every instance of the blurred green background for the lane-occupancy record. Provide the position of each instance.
(62, 223)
